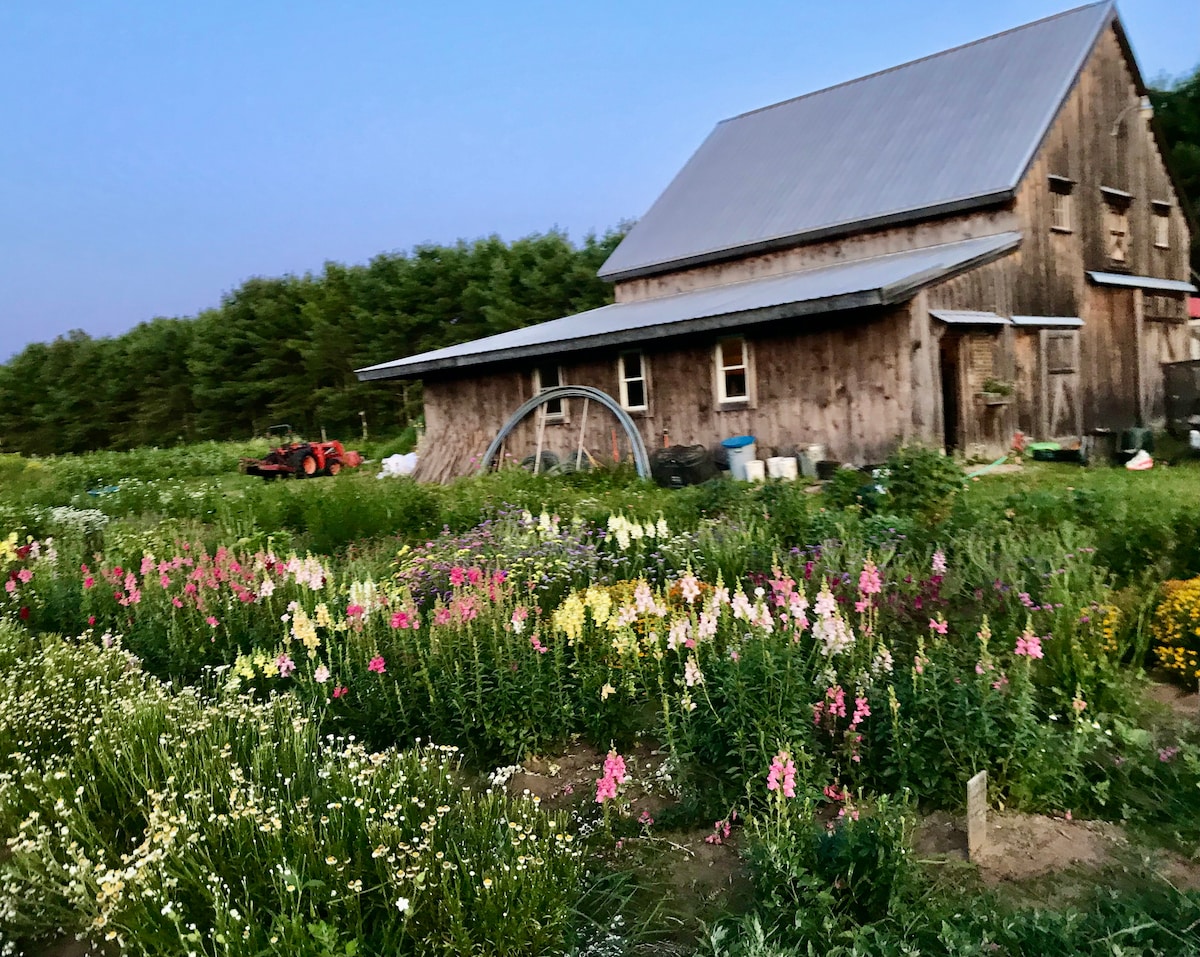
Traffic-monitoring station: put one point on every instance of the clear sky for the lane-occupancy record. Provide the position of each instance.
(155, 154)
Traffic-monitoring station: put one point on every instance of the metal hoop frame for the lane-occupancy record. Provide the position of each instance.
(640, 459)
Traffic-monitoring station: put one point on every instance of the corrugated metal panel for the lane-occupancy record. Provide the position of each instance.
(950, 131)
(1065, 322)
(965, 317)
(1140, 282)
(875, 281)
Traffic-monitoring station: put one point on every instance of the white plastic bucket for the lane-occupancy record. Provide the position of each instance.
(755, 470)
(782, 467)
(739, 457)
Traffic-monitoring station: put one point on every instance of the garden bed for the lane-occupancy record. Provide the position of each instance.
(680, 721)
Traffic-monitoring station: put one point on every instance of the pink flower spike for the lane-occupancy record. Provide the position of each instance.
(285, 665)
(341, 691)
(869, 581)
(377, 665)
(212, 622)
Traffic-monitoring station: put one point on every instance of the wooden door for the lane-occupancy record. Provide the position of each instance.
(1061, 413)
(1111, 359)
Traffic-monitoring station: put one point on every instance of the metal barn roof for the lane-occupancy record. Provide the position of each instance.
(1140, 282)
(948, 132)
(880, 280)
(968, 317)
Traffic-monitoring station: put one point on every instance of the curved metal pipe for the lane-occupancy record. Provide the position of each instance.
(641, 460)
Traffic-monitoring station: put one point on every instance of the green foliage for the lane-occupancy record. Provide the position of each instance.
(922, 482)
(285, 349)
(1177, 113)
(167, 821)
(813, 871)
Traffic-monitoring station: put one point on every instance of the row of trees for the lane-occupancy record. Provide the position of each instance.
(284, 350)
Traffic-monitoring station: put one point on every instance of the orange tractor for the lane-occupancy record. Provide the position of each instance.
(301, 459)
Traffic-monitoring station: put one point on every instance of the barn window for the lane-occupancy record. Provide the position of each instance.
(1167, 308)
(1060, 352)
(550, 377)
(1162, 225)
(1117, 227)
(632, 373)
(1060, 204)
(1116, 223)
(733, 371)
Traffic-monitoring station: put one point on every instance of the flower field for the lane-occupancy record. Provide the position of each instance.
(246, 719)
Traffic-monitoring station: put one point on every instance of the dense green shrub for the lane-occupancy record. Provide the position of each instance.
(921, 482)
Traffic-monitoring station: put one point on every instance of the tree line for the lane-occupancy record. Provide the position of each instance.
(285, 349)
(1177, 110)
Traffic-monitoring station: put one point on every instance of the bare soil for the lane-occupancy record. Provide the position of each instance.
(1182, 704)
(1025, 847)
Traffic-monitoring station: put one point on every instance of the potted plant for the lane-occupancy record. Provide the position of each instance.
(996, 392)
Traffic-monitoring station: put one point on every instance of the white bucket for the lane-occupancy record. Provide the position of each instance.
(782, 467)
(755, 470)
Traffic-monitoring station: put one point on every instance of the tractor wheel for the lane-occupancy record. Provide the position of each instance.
(333, 467)
(303, 463)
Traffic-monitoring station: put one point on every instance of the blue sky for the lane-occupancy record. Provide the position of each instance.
(156, 154)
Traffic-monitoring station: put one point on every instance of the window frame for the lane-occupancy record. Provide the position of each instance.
(746, 367)
(563, 412)
(624, 379)
(1160, 222)
(1116, 216)
(1062, 204)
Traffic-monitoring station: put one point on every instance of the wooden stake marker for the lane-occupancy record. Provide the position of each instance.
(977, 805)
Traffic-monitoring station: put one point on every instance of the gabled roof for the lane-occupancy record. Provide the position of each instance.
(877, 281)
(950, 132)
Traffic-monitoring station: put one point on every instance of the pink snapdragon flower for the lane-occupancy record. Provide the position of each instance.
(614, 774)
(285, 665)
(782, 776)
(869, 581)
(377, 665)
(1029, 645)
(405, 619)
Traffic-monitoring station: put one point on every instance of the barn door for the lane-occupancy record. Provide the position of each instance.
(1060, 413)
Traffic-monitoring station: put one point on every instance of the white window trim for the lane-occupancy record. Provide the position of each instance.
(624, 381)
(747, 367)
(1061, 209)
(562, 416)
(1062, 190)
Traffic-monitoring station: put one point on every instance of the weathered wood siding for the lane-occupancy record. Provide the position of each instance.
(1120, 379)
(946, 229)
(1121, 355)
(844, 382)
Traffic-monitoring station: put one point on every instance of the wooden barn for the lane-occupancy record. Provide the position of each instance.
(978, 242)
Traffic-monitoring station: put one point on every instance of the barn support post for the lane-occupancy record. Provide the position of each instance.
(582, 427)
(541, 435)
